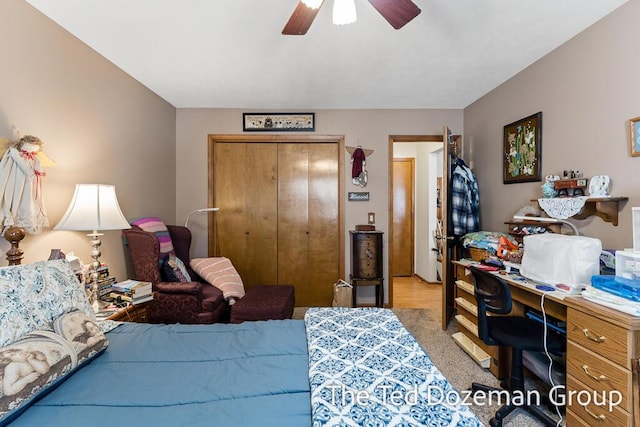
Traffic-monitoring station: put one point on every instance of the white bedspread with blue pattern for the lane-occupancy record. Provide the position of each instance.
(366, 369)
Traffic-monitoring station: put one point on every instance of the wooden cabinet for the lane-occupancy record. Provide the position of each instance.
(366, 263)
(279, 215)
(602, 345)
(366, 254)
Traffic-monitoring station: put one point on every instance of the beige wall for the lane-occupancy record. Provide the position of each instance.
(101, 125)
(370, 128)
(98, 124)
(587, 91)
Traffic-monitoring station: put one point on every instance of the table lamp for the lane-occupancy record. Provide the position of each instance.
(94, 207)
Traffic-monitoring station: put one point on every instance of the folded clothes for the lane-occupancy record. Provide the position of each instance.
(488, 240)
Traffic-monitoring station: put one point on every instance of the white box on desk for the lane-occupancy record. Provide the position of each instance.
(565, 262)
(628, 264)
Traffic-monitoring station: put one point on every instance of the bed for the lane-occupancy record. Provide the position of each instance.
(338, 366)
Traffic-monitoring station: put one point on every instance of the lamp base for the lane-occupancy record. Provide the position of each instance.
(94, 293)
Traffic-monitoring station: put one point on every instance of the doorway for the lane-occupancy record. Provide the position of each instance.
(415, 167)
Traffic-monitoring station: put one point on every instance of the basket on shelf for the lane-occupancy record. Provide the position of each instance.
(478, 254)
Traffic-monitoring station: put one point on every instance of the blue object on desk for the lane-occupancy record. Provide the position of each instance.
(545, 288)
(617, 285)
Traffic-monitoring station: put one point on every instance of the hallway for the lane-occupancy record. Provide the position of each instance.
(413, 292)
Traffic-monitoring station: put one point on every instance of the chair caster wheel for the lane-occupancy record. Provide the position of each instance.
(495, 423)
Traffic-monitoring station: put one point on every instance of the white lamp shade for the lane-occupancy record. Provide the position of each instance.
(93, 207)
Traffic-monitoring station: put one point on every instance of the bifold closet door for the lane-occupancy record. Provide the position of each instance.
(308, 224)
(246, 192)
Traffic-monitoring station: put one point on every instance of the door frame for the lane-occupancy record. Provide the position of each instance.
(212, 139)
(393, 139)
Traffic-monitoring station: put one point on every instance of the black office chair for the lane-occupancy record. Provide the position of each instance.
(520, 333)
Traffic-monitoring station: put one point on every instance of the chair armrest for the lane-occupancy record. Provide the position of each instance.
(178, 287)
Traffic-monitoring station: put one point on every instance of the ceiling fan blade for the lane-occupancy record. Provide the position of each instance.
(300, 20)
(397, 12)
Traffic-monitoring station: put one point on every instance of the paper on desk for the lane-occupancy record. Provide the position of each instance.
(612, 301)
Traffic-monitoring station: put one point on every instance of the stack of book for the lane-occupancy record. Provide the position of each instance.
(133, 291)
(105, 286)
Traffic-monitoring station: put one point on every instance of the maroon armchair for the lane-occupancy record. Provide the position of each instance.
(173, 302)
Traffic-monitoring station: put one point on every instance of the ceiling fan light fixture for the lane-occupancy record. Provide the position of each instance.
(313, 4)
(344, 12)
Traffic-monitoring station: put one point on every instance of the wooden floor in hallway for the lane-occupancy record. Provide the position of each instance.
(413, 292)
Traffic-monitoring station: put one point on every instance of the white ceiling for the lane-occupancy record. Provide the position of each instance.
(231, 53)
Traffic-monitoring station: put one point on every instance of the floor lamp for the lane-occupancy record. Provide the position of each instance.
(94, 207)
(186, 222)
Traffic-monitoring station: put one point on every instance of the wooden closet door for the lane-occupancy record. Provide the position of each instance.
(245, 177)
(308, 221)
(403, 217)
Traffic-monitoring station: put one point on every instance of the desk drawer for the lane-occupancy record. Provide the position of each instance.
(587, 367)
(589, 412)
(603, 338)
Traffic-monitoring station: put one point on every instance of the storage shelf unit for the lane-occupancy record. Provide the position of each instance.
(467, 322)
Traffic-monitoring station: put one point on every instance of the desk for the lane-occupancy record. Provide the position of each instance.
(603, 346)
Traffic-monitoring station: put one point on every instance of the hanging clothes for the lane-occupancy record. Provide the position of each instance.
(465, 200)
(358, 161)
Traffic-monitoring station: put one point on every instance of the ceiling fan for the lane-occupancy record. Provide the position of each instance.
(397, 12)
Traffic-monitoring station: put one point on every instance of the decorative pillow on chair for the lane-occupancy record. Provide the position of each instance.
(34, 364)
(155, 225)
(221, 273)
(173, 270)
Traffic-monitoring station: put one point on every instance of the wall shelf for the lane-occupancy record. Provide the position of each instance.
(606, 208)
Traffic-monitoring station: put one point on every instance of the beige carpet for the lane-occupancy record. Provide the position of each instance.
(452, 361)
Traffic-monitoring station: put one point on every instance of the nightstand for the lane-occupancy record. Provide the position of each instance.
(131, 313)
(366, 263)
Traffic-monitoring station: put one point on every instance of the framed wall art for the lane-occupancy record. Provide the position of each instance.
(634, 136)
(522, 151)
(261, 122)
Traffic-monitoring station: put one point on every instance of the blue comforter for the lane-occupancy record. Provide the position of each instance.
(252, 374)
